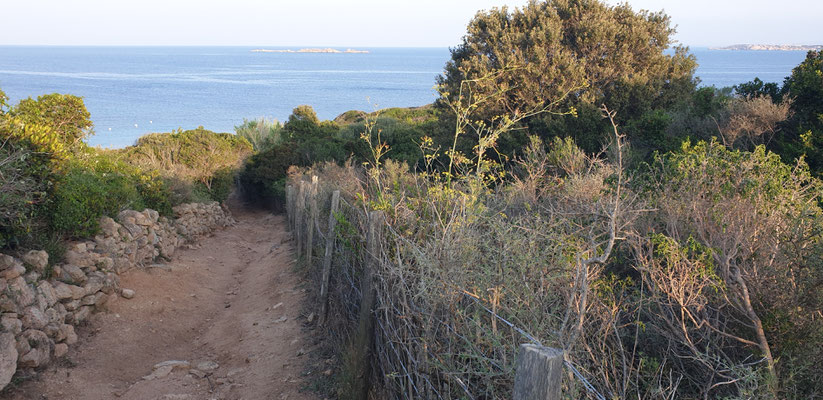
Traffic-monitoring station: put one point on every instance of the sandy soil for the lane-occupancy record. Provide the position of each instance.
(233, 300)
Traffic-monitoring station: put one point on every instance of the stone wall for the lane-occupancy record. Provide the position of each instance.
(40, 307)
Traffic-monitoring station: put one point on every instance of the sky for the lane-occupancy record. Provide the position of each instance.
(362, 23)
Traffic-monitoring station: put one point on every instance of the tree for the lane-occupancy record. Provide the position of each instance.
(65, 114)
(804, 135)
(585, 49)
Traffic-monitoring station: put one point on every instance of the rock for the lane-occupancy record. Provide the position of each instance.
(13, 271)
(105, 263)
(81, 314)
(198, 373)
(207, 366)
(127, 293)
(77, 292)
(53, 331)
(67, 332)
(54, 316)
(31, 277)
(88, 300)
(79, 247)
(22, 345)
(100, 300)
(21, 292)
(176, 365)
(47, 291)
(11, 323)
(72, 274)
(8, 305)
(38, 260)
(72, 305)
(94, 284)
(40, 353)
(311, 317)
(8, 358)
(60, 350)
(34, 318)
(159, 373)
(62, 291)
(108, 226)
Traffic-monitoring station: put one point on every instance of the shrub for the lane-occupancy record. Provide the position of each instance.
(261, 133)
(82, 196)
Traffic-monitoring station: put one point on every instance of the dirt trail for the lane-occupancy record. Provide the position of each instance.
(233, 301)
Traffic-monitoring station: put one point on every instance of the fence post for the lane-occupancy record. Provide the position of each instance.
(330, 236)
(289, 207)
(312, 219)
(365, 332)
(538, 373)
(298, 216)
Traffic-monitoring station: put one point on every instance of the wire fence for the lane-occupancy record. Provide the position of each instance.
(458, 346)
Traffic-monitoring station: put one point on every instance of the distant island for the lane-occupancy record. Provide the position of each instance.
(770, 47)
(327, 50)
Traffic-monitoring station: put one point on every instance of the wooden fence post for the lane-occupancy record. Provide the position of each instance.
(298, 216)
(365, 332)
(538, 373)
(312, 219)
(289, 207)
(330, 236)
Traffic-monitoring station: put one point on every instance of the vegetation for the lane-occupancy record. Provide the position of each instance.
(683, 261)
(54, 186)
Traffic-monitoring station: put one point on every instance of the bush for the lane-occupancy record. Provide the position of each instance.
(198, 157)
(82, 196)
(261, 133)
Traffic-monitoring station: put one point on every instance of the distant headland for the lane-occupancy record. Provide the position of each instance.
(770, 47)
(327, 50)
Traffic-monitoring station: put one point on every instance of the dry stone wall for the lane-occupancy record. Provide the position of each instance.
(39, 308)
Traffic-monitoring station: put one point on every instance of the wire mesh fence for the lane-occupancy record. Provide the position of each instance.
(453, 344)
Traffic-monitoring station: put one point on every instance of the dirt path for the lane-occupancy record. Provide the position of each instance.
(232, 303)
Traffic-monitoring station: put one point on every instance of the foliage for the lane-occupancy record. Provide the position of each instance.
(199, 156)
(261, 133)
(550, 49)
(66, 115)
(82, 196)
(18, 191)
(803, 137)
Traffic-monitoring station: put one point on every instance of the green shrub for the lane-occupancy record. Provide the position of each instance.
(261, 133)
(82, 196)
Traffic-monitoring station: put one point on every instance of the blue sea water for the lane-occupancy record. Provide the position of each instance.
(131, 91)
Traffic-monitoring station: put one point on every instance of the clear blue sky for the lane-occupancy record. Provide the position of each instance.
(341, 23)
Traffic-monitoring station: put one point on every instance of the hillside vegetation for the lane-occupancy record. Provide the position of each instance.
(56, 187)
(575, 186)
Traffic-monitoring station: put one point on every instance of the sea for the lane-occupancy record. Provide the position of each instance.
(131, 91)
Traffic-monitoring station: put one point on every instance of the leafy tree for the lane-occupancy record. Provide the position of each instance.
(65, 114)
(757, 88)
(583, 49)
(805, 87)
(804, 135)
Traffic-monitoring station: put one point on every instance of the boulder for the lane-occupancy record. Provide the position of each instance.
(72, 274)
(60, 350)
(34, 318)
(47, 291)
(67, 334)
(21, 292)
(8, 358)
(41, 349)
(38, 260)
(127, 293)
(108, 226)
(10, 323)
